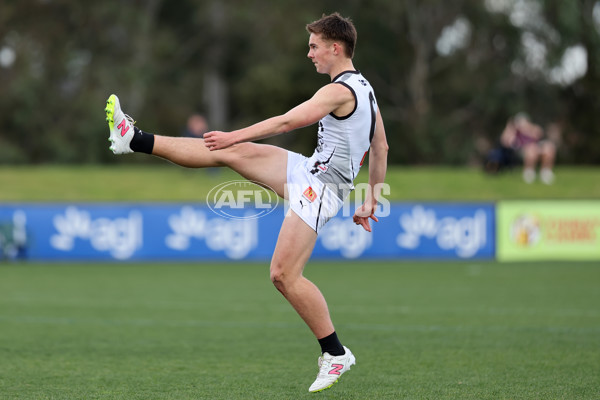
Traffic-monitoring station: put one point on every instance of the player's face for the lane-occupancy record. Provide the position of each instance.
(320, 53)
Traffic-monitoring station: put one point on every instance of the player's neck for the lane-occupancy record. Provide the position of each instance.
(342, 67)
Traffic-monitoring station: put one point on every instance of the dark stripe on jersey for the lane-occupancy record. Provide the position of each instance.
(373, 116)
(325, 163)
(355, 103)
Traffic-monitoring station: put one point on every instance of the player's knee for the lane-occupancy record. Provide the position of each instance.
(278, 276)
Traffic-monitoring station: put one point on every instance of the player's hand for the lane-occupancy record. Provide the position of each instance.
(364, 214)
(217, 140)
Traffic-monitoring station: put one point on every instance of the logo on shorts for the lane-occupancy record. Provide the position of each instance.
(309, 194)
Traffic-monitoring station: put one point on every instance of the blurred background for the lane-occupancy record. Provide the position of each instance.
(448, 75)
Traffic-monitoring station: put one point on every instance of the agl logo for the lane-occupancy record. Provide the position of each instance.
(121, 236)
(466, 234)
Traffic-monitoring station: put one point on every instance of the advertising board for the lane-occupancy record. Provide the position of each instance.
(548, 230)
(144, 232)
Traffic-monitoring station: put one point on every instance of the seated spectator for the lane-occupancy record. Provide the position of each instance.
(528, 139)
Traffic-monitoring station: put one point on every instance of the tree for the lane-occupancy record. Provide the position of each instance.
(447, 75)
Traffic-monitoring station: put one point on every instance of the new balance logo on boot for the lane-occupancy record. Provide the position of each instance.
(331, 368)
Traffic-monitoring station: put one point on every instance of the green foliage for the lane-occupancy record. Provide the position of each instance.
(243, 62)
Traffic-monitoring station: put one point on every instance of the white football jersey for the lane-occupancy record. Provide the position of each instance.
(344, 141)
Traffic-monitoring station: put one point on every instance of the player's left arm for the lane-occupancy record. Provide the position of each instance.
(377, 170)
(326, 100)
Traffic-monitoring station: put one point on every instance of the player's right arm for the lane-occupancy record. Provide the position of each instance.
(326, 100)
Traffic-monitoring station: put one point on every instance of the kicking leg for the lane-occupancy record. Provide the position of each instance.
(260, 163)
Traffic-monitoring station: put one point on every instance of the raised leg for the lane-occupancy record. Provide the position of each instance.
(260, 163)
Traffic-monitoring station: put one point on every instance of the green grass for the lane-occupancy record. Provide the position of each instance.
(167, 182)
(463, 330)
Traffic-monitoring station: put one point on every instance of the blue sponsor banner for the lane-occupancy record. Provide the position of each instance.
(415, 231)
(144, 232)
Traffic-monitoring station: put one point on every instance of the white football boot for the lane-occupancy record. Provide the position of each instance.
(120, 125)
(331, 368)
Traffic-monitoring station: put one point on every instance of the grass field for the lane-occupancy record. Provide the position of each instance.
(166, 182)
(464, 330)
(444, 330)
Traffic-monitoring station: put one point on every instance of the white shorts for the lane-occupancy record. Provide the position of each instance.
(312, 200)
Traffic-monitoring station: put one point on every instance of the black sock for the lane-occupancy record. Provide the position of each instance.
(142, 142)
(331, 344)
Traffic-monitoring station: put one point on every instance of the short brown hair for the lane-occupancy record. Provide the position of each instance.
(336, 28)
